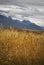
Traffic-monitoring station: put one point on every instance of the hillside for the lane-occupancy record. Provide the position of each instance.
(7, 22)
(21, 47)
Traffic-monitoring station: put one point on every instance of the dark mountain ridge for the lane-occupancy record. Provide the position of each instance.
(9, 22)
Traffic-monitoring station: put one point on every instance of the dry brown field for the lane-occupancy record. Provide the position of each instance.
(21, 47)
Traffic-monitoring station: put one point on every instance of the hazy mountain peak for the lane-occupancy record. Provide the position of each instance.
(9, 22)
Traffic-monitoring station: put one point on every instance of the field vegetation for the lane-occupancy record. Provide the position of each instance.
(21, 47)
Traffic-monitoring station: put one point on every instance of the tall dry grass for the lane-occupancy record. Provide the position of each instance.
(21, 47)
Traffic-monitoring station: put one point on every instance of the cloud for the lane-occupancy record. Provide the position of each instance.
(23, 2)
(24, 9)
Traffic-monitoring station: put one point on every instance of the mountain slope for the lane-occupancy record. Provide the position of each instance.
(9, 22)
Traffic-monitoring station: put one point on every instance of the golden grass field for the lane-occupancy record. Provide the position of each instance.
(21, 47)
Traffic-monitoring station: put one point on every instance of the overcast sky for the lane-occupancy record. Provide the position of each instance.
(32, 10)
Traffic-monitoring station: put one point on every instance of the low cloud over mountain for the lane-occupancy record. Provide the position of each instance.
(33, 13)
(26, 24)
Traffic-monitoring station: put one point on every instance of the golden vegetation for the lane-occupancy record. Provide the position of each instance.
(21, 47)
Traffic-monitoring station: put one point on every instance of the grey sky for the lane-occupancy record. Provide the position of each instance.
(24, 9)
(23, 2)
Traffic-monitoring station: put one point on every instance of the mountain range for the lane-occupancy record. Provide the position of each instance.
(25, 24)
